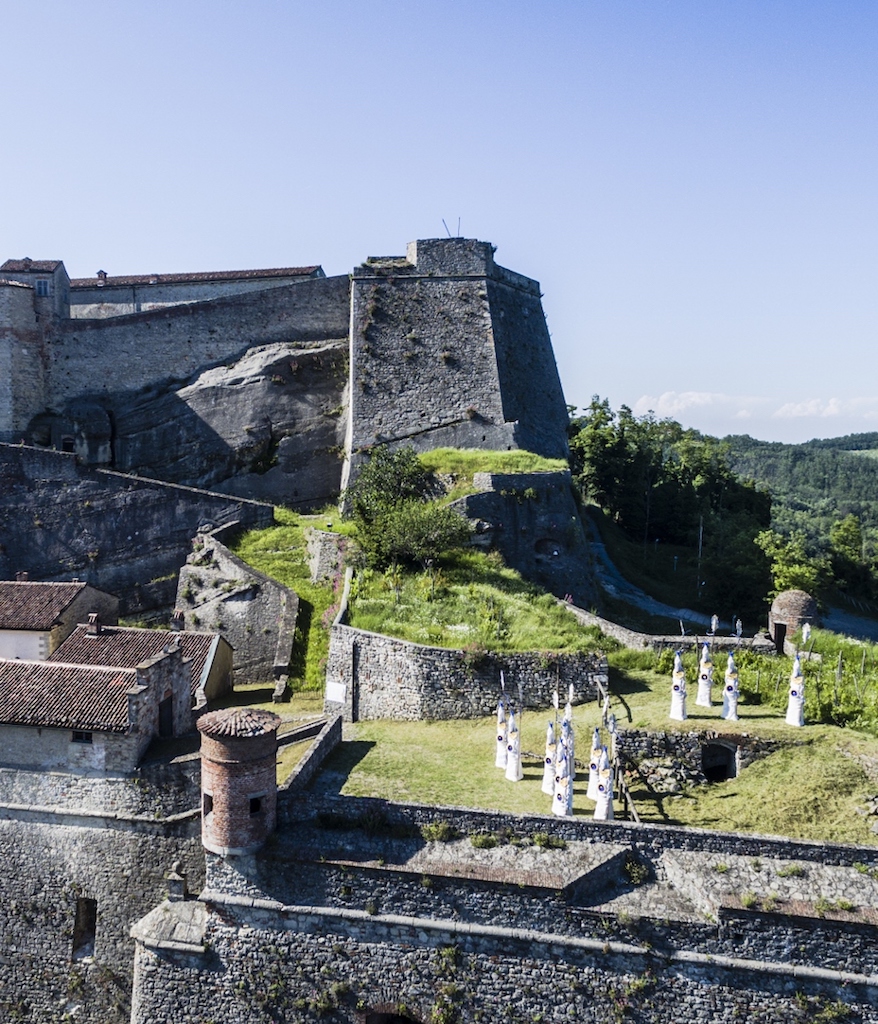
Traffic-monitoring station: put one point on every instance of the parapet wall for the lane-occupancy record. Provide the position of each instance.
(369, 675)
(129, 353)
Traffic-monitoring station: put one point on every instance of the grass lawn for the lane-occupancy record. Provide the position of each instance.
(473, 599)
(808, 789)
(461, 464)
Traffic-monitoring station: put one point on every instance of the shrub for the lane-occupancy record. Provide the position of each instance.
(439, 832)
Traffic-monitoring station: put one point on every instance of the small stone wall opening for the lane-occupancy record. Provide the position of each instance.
(719, 762)
(84, 928)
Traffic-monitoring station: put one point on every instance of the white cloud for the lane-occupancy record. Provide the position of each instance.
(676, 403)
(824, 408)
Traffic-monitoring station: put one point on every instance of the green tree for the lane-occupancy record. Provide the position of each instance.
(396, 520)
(792, 568)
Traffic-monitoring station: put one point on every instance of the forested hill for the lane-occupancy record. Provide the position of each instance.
(834, 476)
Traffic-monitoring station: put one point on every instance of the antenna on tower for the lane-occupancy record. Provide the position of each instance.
(446, 227)
(458, 227)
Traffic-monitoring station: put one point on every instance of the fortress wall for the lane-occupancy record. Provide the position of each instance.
(160, 790)
(383, 677)
(529, 382)
(255, 613)
(133, 352)
(302, 965)
(45, 867)
(422, 360)
(117, 532)
(21, 361)
(101, 301)
(650, 841)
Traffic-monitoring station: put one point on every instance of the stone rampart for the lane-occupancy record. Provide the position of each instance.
(51, 871)
(120, 533)
(129, 353)
(369, 675)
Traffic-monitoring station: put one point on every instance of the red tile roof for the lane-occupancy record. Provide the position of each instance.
(35, 606)
(128, 647)
(43, 693)
(239, 722)
(216, 275)
(23, 266)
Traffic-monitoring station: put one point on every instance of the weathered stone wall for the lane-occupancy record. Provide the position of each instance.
(438, 359)
(533, 520)
(21, 360)
(685, 748)
(306, 967)
(383, 677)
(121, 534)
(155, 790)
(124, 354)
(50, 861)
(255, 613)
(105, 300)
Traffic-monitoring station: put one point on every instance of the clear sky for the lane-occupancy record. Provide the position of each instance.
(693, 182)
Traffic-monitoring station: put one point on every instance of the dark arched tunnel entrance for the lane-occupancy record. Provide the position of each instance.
(718, 762)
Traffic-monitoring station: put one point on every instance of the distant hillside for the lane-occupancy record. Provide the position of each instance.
(827, 478)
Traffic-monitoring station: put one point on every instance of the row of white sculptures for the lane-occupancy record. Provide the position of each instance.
(795, 701)
(559, 765)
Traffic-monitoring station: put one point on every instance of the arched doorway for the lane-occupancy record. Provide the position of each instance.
(719, 761)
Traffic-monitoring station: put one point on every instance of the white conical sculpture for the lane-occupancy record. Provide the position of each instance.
(603, 810)
(594, 764)
(513, 751)
(562, 801)
(796, 700)
(548, 786)
(806, 632)
(730, 692)
(678, 691)
(570, 746)
(500, 758)
(705, 679)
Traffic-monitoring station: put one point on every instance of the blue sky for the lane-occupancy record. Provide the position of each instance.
(693, 183)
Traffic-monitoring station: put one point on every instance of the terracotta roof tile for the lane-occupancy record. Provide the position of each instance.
(128, 647)
(48, 694)
(238, 722)
(23, 266)
(217, 275)
(35, 605)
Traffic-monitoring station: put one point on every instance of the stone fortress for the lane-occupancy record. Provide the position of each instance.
(137, 412)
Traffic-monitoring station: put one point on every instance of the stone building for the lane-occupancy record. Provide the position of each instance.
(36, 617)
(91, 718)
(209, 655)
(255, 382)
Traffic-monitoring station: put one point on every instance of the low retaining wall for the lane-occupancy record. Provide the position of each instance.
(369, 675)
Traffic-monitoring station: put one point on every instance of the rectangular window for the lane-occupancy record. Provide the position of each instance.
(82, 737)
(207, 804)
(84, 928)
(42, 288)
(255, 805)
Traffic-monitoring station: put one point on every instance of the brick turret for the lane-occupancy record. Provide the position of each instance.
(238, 779)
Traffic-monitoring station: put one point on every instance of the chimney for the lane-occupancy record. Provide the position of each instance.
(21, 577)
(102, 278)
(94, 624)
(177, 889)
(178, 621)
